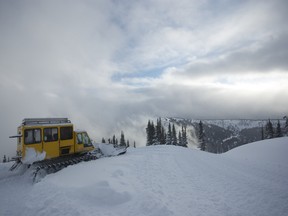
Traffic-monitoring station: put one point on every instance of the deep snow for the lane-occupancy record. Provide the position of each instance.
(158, 180)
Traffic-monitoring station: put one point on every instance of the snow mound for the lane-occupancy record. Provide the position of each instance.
(160, 181)
(31, 156)
(108, 149)
(260, 151)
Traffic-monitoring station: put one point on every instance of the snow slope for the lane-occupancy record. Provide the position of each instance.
(159, 181)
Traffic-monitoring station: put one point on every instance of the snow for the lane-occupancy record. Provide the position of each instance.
(158, 181)
(31, 156)
(108, 149)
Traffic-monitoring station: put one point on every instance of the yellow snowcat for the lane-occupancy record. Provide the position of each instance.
(51, 144)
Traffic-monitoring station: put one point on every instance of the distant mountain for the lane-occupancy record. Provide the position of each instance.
(223, 135)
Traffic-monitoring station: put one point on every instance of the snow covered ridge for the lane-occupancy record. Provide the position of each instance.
(223, 135)
(159, 181)
(235, 124)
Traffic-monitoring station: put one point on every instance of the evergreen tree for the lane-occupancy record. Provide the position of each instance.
(153, 134)
(180, 142)
(122, 140)
(202, 143)
(162, 136)
(278, 130)
(269, 130)
(286, 126)
(158, 132)
(127, 145)
(150, 132)
(169, 135)
(134, 144)
(262, 133)
(156, 135)
(4, 159)
(103, 140)
(174, 136)
(114, 140)
(184, 137)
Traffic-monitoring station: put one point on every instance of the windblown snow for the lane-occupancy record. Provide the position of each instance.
(158, 181)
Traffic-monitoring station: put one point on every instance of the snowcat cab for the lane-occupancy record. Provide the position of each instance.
(54, 137)
(83, 142)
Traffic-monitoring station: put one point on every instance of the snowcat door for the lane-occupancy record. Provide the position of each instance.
(79, 142)
(51, 142)
(66, 140)
(32, 139)
(83, 142)
(88, 146)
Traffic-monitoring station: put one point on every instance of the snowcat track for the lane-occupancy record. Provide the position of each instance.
(56, 164)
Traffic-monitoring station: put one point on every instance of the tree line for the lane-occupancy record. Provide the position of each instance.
(270, 132)
(157, 135)
(267, 132)
(121, 143)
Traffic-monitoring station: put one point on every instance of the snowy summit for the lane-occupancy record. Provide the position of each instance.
(158, 181)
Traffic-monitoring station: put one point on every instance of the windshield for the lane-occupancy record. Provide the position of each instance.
(86, 139)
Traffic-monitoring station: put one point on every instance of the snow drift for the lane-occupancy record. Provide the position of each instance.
(159, 180)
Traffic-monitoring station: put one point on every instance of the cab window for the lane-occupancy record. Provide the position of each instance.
(86, 140)
(50, 134)
(66, 133)
(79, 138)
(32, 136)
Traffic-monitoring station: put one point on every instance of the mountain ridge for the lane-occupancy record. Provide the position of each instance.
(221, 135)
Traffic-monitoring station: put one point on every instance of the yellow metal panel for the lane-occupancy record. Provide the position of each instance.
(51, 141)
(67, 141)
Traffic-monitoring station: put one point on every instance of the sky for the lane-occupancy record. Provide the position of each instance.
(110, 65)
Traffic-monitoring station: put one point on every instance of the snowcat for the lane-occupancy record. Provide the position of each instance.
(51, 144)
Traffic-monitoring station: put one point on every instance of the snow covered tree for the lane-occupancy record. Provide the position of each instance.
(114, 140)
(286, 126)
(158, 132)
(4, 159)
(122, 140)
(150, 132)
(169, 135)
(127, 144)
(269, 133)
(278, 130)
(179, 139)
(162, 136)
(184, 137)
(202, 144)
(174, 135)
(262, 133)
